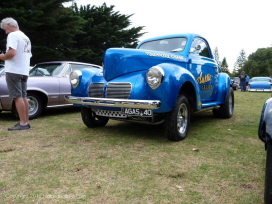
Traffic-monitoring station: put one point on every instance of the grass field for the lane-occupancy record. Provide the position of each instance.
(60, 160)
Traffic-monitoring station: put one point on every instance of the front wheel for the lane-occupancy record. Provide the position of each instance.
(177, 121)
(226, 110)
(268, 176)
(91, 120)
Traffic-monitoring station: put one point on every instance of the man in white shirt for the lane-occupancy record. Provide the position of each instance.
(17, 63)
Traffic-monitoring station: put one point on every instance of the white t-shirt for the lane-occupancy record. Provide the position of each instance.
(20, 63)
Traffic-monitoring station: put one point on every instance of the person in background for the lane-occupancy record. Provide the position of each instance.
(17, 63)
(243, 81)
(247, 81)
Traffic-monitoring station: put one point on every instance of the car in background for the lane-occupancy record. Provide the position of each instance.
(260, 84)
(47, 84)
(234, 85)
(265, 135)
(2, 68)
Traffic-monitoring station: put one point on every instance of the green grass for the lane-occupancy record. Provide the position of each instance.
(60, 160)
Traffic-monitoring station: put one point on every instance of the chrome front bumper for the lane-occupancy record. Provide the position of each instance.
(109, 102)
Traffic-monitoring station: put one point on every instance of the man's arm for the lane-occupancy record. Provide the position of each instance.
(9, 54)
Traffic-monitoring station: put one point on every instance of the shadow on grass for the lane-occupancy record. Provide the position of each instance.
(124, 130)
(54, 111)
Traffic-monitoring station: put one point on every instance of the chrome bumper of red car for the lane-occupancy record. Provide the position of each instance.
(109, 102)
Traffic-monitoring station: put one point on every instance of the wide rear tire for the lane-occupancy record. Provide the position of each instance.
(91, 120)
(177, 121)
(226, 110)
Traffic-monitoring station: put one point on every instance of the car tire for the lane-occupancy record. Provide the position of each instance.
(268, 176)
(91, 120)
(177, 121)
(35, 106)
(226, 110)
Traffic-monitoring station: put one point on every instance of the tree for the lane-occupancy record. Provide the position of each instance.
(104, 28)
(241, 59)
(49, 25)
(68, 33)
(225, 66)
(259, 63)
(216, 56)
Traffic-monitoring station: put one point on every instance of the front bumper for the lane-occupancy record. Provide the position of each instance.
(109, 102)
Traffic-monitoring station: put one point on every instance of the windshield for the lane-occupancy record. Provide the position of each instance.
(167, 45)
(52, 69)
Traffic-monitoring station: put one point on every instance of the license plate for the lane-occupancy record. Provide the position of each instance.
(137, 112)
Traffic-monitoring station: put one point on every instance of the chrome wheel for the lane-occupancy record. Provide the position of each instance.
(182, 119)
(33, 105)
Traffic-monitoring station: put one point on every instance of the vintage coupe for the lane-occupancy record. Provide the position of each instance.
(265, 135)
(260, 84)
(163, 80)
(47, 85)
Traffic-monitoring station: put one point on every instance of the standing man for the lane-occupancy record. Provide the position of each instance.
(17, 63)
(243, 81)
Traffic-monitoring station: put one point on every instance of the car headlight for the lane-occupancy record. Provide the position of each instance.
(75, 77)
(154, 77)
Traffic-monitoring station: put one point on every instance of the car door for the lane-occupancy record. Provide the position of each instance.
(204, 69)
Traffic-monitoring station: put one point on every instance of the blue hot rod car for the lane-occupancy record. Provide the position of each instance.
(265, 135)
(164, 80)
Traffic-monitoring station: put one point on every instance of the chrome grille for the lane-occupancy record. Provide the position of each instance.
(118, 90)
(113, 90)
(96, 90)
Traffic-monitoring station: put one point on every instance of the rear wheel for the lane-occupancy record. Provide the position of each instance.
(177, 121)
(268, 176)
(91, 120)
(226, 110)
(35, 106)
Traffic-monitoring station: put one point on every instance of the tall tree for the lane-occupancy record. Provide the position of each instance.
(259, 63)
(225, 66)
(104, 28)
(216, 56)
(49, 25)
(241, 59)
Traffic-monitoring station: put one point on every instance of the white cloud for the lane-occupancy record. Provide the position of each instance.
(229, 25)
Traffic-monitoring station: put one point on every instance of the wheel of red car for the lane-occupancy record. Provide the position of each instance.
(35, 105)
(91, 120)
(268, 176)
(177, 121)
(226, 110)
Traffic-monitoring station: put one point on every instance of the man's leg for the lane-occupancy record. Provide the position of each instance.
(22, 109)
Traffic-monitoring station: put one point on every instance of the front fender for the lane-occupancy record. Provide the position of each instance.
(265, 124)
(88, 76)
(175, 78)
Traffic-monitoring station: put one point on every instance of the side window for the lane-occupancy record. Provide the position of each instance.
(200, 47)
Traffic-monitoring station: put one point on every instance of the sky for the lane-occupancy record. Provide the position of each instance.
(229, 25)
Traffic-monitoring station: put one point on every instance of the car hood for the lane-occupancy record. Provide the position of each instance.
(120, 61)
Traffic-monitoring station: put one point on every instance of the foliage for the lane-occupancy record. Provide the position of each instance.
(49, 25)
(60, 33)
(225, 66)
(241, 59)
(104, 28)
(259, 63)
(216, 56)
